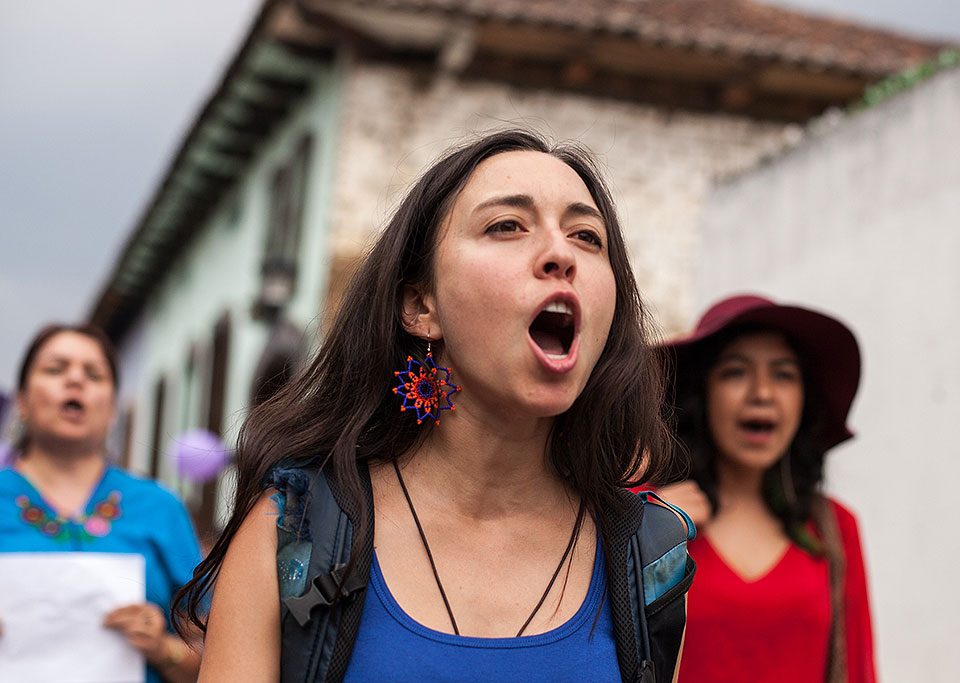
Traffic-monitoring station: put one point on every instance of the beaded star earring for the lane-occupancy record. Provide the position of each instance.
(425, 387)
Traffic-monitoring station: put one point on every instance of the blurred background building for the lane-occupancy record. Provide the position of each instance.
(734, 161)
(328, 110)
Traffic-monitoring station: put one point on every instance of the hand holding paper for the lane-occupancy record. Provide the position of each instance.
(53, 607)
(144, 626)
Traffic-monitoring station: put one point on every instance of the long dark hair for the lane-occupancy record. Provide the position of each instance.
(791, 484)
(340, 412)
(45, 334)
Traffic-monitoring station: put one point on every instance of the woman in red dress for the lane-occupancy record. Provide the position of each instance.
(762, 393)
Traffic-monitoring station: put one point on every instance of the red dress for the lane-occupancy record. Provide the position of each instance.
(776, 627)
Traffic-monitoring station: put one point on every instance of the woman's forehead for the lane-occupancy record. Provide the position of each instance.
(74, 346)
(760, 342)
(543, 177)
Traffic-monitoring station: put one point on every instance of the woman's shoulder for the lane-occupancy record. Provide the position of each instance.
(12, 486)
(843, 512)
(846, 519)
(8, 477)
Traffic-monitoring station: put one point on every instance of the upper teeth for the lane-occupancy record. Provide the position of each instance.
(559, 307)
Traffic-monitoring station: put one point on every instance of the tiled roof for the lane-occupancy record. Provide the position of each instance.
(738, 27)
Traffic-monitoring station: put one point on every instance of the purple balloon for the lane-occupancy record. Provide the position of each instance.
(199, 455)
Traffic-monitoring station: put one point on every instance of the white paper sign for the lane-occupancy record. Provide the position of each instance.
(52, 606)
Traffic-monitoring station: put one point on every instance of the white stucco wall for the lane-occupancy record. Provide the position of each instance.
(660, 164)
(864, 221)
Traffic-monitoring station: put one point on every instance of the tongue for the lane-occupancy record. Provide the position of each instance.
(549, 342)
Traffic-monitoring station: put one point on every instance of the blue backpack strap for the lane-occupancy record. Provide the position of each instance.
(314, 538)
(663, 545)
(294, 547)
(659, 549)
(645, 496)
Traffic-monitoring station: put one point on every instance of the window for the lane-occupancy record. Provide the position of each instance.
(156, 442)
(127, 426)
(206, 510)
(289, 195)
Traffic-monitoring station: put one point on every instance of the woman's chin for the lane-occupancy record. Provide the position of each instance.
(753, 459)
(547, 404)
(519, 402)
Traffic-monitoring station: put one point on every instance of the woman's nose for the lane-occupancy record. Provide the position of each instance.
(762, 387)
(557, 258)
(74, 375)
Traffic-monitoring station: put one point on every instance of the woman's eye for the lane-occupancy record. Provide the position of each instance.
(788, 375)
(590, 237)
(52, 369)
(730, 372)
(503, 227)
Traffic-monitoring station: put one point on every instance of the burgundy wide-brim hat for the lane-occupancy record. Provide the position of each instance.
(828, 348)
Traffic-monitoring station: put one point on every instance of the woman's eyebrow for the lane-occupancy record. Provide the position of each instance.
(518, 201)
(731, 357)
(525, 201)
(60, 359)
(581, 209)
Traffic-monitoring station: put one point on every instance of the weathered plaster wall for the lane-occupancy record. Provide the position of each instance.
(660, 164)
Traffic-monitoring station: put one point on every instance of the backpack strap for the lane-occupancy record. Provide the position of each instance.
(351, 607)
(825, 520)
(619, 525)
(649, 575)
(666, 573)
(314, 542)
(663, 546)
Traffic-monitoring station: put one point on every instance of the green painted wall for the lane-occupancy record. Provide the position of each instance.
(220, 273)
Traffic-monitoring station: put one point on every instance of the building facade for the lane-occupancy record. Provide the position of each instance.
(330, 109)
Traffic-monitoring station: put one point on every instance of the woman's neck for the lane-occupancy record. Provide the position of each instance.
(738, 485)
(482, 472)
(65, 480)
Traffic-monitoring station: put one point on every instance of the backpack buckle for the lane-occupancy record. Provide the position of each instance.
(647, 673)
(324, 591)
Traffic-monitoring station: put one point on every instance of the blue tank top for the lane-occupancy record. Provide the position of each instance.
(393, 648)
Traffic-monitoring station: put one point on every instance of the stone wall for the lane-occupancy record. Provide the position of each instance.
(660, 164)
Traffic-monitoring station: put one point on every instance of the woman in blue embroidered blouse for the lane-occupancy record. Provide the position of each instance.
(60, 495)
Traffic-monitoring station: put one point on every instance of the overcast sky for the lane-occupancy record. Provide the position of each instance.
(95, 97)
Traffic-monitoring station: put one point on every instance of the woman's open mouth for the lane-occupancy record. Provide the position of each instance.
(554, 332)
(72, 409)
(757, 429)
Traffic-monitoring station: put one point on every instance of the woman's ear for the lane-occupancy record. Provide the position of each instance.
(420, 314)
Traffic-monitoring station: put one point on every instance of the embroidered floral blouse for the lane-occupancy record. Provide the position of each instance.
(125, 514)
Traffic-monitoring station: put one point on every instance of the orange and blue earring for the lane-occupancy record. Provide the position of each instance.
(425, 387)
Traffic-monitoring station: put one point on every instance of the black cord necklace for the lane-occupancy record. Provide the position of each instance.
(436, 575)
